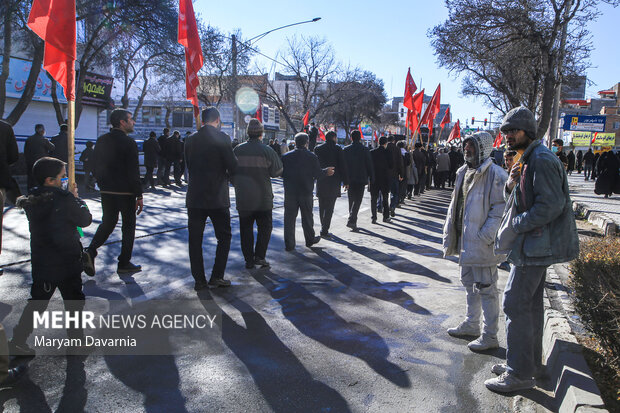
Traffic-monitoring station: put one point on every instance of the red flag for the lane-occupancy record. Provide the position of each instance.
(432, 110)
(446, 118)
(376, 137)
(593, 138)
(54, 22)
(410, 88)
(188, 37)
(259, 111)
(456, 131)
(359, 128)
(321, 135)
(306, 118)
(418, 99)
(498, 140)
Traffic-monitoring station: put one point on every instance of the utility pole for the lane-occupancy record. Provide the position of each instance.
(234, 86)
(555, 110)
(490, 123)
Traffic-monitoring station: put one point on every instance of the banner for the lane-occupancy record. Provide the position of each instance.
(15, 84)
(97, 89)
(584, 123)
(584, 139)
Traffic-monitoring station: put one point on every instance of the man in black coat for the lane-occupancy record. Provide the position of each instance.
(117, 171)
(36, 147)
(419, 158)
(588, 164)
(210, 161)
(151, 150)
(8, 156)
(163, 167)
(174, 154)
(328, 187)
(382, 163)
(396, 173)
(313, 133)
(360, 171)
(454, 165)
(301, 169)
(61, 145)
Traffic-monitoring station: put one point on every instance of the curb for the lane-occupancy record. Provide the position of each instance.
(600, 219)
(569, 375)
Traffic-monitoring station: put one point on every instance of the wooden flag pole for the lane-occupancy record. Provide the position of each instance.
(197, 118)
(71, 142)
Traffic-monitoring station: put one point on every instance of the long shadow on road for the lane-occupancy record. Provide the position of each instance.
(316, 319)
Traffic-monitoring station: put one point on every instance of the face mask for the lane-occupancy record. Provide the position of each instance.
(554, 149)
(64, 183)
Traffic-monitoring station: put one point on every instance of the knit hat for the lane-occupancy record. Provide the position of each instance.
(483, 142)
(255, 128)
(520, 118)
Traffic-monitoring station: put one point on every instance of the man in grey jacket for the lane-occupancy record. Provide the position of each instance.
(473, 218)
(545, 233)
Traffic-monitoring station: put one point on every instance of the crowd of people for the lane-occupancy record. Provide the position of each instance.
(495, 215)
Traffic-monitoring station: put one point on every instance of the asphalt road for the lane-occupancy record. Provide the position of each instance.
(356, 323)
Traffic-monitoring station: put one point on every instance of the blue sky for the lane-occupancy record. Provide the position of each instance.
(387, 37)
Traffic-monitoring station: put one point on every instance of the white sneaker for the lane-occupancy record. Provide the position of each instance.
(507, 383)
(498, 369)
(483, 343)
(464, 329)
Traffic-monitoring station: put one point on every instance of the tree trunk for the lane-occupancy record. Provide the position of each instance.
(142, 94)
(59, 118)
(31, 84)
(6, 59)
(79, 92)
(167, 116)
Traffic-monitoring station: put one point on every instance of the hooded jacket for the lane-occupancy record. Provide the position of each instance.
(53, 217)
(482, 209)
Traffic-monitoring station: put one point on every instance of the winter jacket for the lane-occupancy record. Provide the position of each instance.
(151, 150)
(35, 148)
(8, 152)
(608, 174)
(256, 165)
(571, 161)
(382, 163)
(411, 172)
(359, 164)
(545, 223)
(301, 169)
(398, 166)
(115, 164)
(420, 161)
(210, 161)
(588, 158)
(61, 146)
(53, 216)
(330, 154)
(482, 213)
(443, 162)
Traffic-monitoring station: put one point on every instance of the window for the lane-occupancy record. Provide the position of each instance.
(265, 114)
(151, 115)
(616, 125)
(276, 117)
(182, 118)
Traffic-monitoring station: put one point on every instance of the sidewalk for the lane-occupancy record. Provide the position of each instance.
(601, 211)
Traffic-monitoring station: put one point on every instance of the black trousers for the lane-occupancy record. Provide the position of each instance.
(356, 195)
(178, 171)
(419, 187)
(161, 167)
(264, 225)
(294, 203)
(394, 188)
(402, 190)
(326, 211)
(148, 176)
(374, 195)
(452, 177)
(196, 220)
(440, 179)
(112, 205)
(409, 190)
(40, 294)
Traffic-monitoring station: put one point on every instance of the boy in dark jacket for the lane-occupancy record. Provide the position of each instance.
(54, 213)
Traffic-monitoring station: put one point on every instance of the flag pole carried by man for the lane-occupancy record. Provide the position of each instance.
(188, 37)
(55, 23)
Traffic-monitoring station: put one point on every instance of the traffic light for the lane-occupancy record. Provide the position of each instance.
(485, 121)
(473, 120)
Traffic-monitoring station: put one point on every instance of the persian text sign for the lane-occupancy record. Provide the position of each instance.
(18, 77)
(97, 89)
(584, 123)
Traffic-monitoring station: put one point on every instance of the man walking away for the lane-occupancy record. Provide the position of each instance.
(210, 161)
(473, 219)
(443, 169)
(328, 187)
(301, 169)
(538, 189)
(61, 144)
(420, 163)
(313, 133)
(86, 157)
(36, 147)
(382, 163)
(162, 162)
(8, 155)
(256, 165)
(151, 152)
(588, 164)
(360, 172)
(117, 172)
(396, 172)
(174, 154)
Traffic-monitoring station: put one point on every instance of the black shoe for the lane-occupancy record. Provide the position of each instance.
(128, 268)
(387, 220)
(249, 265)
(88, 263)
(326, 235)
(263, 263)
(313, 241)
(374, 220)
(200, 285)
(20, 350)
(14, 376)
(351, 225)
(219, 282)
(392, 213)
(289, 249)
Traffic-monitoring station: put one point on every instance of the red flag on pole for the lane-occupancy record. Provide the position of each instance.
(188, 38)
(306, 118)
(54, 22)
(446, 118)
(376, 137)
(456, 131)
(432, 110)
(418, 100)
(359, 128)
(593, 138)
(498, 140)
(321, 134)
(410, 88)
(259, 111)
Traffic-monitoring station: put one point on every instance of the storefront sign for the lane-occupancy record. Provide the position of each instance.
(18, 77)
(97, 89)
(584, 123)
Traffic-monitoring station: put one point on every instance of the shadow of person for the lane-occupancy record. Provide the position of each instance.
(29, 396)
(391, 292)
(316, 320)
(281, 378)
(74, 394)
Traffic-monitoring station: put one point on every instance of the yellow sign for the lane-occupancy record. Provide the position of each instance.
(600, 139)
(581, 138)
(604, 139)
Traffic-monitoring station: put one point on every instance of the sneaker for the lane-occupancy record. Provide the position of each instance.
(128, 268)
(507, 383)
(313, 241)
(20, 349)
(501, 369)
(88, 263)
(263, 263)
(14, 375)
(464, 329)
(219, 282)
(483, 343)
(200, 285)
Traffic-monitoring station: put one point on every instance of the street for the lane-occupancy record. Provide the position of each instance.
(357, 323)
